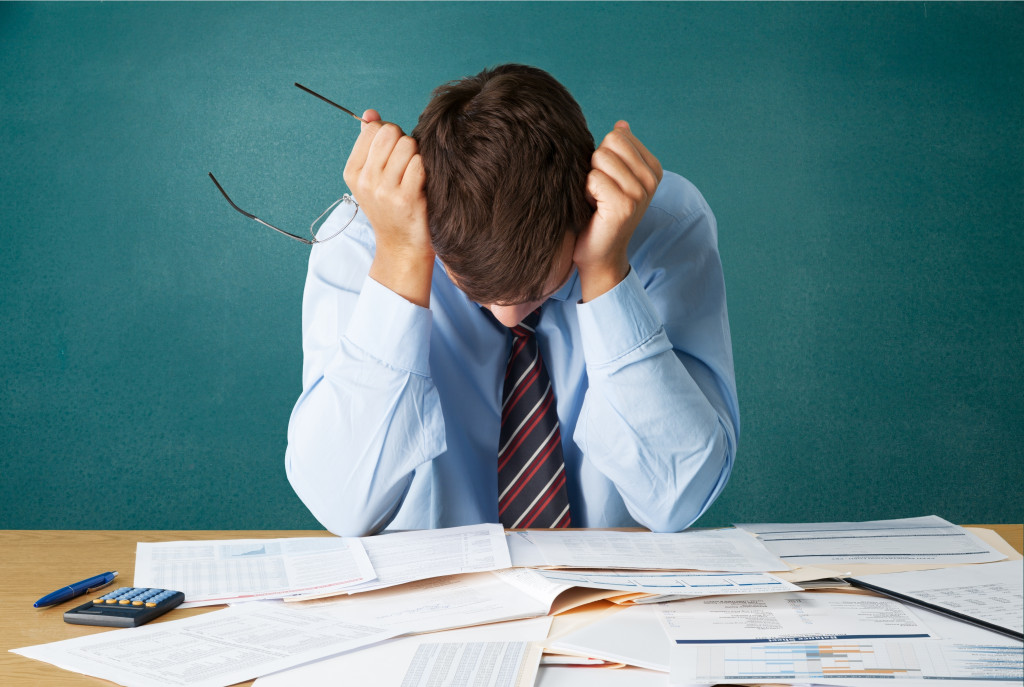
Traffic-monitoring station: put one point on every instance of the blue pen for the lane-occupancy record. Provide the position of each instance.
(76, 589)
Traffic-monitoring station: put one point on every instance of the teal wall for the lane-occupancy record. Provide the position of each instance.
(865, 162)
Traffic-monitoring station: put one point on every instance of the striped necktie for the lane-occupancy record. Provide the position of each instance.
(531, 472)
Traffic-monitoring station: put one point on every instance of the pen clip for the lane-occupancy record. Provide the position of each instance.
(90, 590)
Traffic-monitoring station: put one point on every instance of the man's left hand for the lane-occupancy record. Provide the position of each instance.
(621, 183)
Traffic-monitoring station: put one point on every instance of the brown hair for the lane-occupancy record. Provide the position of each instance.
(506, 154)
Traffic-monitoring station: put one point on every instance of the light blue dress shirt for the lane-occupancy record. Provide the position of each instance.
(398, 422)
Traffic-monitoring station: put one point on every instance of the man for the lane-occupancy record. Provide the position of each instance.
(432, 394)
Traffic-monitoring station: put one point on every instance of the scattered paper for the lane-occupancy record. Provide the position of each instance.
(385, 664)
(534, 583)
(564, 660)
(928, 539)
(421, 554)
(672, 586)
(846, 663)
(222, 571)
(473, 664)
(211, 650)
(555, 676)
(560, 598)
(714, 550)
(787, 616)
(633, 636)
(993, 592)
(941, 626)
(440, 603)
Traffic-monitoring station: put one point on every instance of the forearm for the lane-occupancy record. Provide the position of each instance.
(658, 428)
(363, 425)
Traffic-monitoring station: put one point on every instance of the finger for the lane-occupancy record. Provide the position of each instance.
(651, 161)
(608, 161)
(603, 188)
(623, 129)
(618, 142)
(361, 148)
(387, 136)
(369, 116)
(415, 176)
(362, 143)
(399, 159)
(629, 149)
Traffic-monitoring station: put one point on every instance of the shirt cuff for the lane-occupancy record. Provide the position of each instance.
(617, 322)
(391, 329)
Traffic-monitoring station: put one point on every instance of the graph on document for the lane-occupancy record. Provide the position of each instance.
(806, 661)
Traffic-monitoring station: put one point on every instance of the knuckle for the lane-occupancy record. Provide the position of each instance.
(351, 178)
(391, 130)
(611, 137)
(649, 185)
(406, 145)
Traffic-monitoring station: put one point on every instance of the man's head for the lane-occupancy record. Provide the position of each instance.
(506, 154)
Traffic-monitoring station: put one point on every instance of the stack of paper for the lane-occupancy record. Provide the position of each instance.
(715, 550)
(218, 572)
(929, 542)
(447, 607)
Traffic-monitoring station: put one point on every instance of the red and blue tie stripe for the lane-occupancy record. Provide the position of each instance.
(531, 470)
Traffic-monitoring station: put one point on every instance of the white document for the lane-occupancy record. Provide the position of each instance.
(473, 664)
(523, 552)
(440, 603)
(554, 676)
(566, 660)
(385, 664)
(210, 650)
(941, 626)
(926, 662)
(993, 592)
(714, 550)
(928, 539)
(417, 555)
(534, 583)
(634, 636)
(788, 616)
(672, 584)
(217, 572)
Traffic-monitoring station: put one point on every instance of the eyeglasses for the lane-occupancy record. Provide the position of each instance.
(348, 204)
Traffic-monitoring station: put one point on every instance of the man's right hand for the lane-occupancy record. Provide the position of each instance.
(385, 174)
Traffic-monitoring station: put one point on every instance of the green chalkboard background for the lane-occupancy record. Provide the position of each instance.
(865, 162)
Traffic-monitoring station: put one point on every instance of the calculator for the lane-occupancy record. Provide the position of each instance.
(125, 607)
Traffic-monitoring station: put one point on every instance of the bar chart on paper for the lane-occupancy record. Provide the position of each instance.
(848, 660)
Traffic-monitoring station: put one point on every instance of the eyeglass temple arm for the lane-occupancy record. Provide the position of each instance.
(331, 102)
(228, 198)
(252, 216)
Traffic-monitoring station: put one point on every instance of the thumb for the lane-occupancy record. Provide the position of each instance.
(370, 116)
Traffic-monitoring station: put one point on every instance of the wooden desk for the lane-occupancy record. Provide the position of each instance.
(35, 562)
